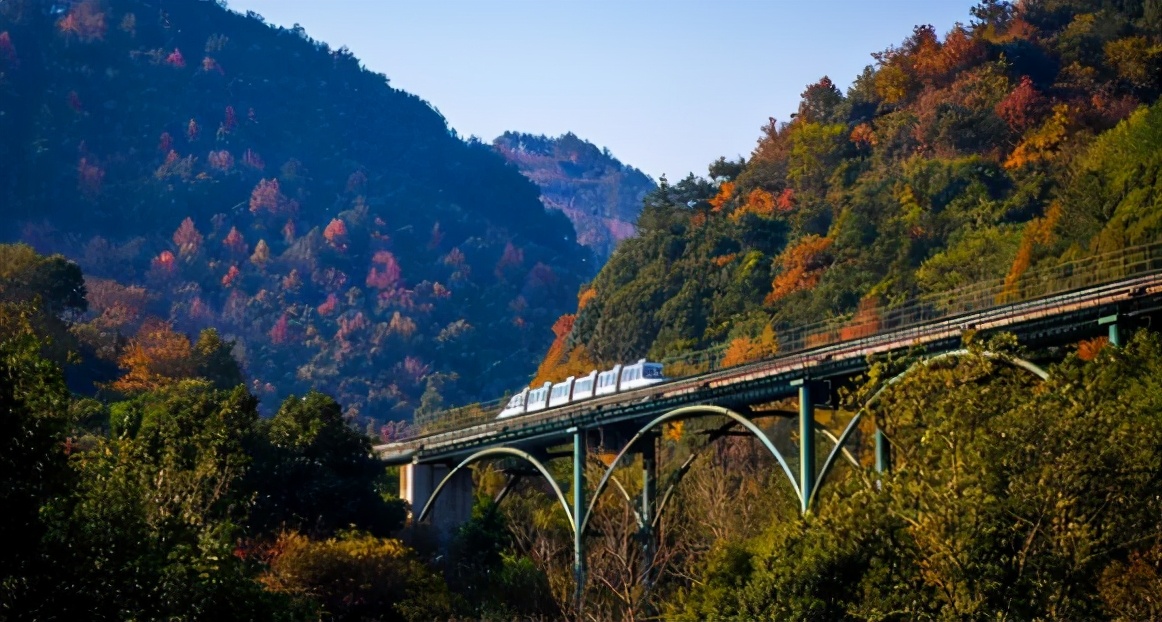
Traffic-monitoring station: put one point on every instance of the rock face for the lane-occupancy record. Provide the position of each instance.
(601, 196)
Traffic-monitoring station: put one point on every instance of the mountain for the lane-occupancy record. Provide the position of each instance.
(601, 196)
(209, 170)
(1028, 136)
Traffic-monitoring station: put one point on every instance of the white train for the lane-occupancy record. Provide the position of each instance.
(621, 378)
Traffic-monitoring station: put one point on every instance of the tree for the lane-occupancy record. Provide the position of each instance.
(316, 474)
(155, 357)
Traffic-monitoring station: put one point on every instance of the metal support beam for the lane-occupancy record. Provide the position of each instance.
(883, 452)
(1115, 331)
(578, 515)
(806, 443)
(649, 501)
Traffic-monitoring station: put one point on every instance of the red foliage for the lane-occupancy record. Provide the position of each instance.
(336, 234)
(454, 258)
(187, 238)
(175, 58)
(231, 276)
(281, 330)
(288, 232)
(292, 282)
(786, 200)
(1023, 107)
(163, 264)
(235, 244)
(192, 130)
(221, 160)
(512, 257)
(89, 177)
(388, 277)
(198, 310)
(253, 160)
(7, 50)
(329, 306)
(165, 143)
(231, 120)
(209, 64)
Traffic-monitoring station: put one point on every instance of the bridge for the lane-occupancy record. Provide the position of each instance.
(1100, 296)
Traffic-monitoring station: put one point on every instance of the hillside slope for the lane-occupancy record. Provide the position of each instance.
(601, 196)
(211, 170)
(1028, 136)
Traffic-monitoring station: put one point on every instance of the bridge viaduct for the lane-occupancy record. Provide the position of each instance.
(1103, 296)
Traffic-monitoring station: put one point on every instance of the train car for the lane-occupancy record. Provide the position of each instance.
(561, 393)
(621, 378)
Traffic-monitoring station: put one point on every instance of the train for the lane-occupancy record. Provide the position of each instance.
(620, 378)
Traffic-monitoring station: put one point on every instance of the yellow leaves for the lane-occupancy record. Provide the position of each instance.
(1042, 144)
(1136, 59)
(863, 135)
(802, 266)
(892, 84)
(155, 357)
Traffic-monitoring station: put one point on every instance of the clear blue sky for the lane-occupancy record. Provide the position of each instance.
(666, 85)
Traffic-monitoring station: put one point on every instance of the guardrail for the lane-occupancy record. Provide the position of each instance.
(870, 321)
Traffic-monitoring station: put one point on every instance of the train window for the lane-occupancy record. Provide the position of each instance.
(653, 371)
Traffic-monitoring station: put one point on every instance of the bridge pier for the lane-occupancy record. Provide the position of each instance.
(1115, 331)
(649, 501)
(578, 515)
(806, 443)
(453, 507)
(883, 452)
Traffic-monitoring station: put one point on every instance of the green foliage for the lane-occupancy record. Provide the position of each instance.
(314, 472)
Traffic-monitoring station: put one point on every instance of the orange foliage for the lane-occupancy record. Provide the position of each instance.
(722, 260)
(802, 266)
(746, 349)
(674, 431)
(117, 305)
(267, 196)
(759, 202)
(85, 21)
(1088, 349)
(585, 297)
(725, 192)
(551, 366)
(155, 357)
(329, 306)
(1042, 144)
(863, 135)
(1038, 233)
(336, 234)
(384, 278)
(261, 254)
(865, 322)
(163, 264)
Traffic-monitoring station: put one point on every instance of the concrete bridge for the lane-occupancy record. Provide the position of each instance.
(1100, 296)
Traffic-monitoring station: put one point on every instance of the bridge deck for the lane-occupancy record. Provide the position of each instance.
(1065, 315)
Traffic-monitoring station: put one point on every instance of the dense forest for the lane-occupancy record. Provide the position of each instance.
(208, 170)
(192, 253)
(601, 196)
(1028, 135)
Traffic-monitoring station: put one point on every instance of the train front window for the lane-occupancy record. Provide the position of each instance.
(653, 371)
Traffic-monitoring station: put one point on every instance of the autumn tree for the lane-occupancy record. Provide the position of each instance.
(155, 357)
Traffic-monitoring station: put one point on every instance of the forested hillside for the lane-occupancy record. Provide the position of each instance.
(601, 196)
(208, 170)
(1028, 135)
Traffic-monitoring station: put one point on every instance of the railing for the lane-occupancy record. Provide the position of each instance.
(869, 321)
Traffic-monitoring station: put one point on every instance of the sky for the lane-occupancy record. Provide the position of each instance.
(667, 86)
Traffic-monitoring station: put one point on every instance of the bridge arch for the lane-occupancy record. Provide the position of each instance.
(494, 452)
(686, 412)
(1013, 361)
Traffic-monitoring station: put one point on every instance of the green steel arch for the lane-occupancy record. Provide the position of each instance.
(1017, 362)
(493, 452)
(687, 412)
